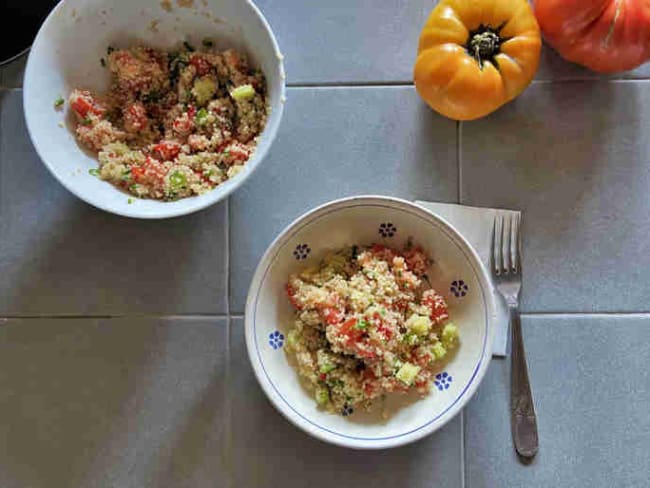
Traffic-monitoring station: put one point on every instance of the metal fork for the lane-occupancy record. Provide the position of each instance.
(505, 263)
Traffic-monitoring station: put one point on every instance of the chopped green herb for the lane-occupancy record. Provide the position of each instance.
(361, 324)
(126, 175)
(152, 96)
(177, 179)
(188, 46)
(201, 117)
(93, 172)
(129, 201)
(207, 42)
(226, 152)
(326, 368)
(109, 50)
(59, 102)
(86, 121)
(102, 61)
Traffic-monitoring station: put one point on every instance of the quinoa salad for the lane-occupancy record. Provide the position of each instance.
(173, 124)
(367, 324)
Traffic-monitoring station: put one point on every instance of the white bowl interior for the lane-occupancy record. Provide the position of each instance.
(67, 52)
(357, 221)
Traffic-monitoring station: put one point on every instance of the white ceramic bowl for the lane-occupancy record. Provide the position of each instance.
(67, 52)
(456, 273)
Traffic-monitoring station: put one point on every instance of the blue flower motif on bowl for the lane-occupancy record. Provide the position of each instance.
(276, 339)
(443, 381)
(459, 288)
(347, 410)
(301, 252)
(387, 229)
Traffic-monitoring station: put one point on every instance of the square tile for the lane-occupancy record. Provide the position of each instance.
(11, 75)
(115, 402)
(268, 451)
(337, 142)
(60, 256)
(591, 397)
(573, 157)
(347, 41)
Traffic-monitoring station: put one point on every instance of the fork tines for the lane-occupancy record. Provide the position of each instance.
(505, 257)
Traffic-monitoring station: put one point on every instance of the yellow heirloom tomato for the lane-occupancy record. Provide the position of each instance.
(476, 55)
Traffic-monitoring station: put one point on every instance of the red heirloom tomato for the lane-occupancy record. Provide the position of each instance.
(603, 35)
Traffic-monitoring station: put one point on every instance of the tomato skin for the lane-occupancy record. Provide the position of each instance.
(166, 150)
(83, 103)
(200, 63)
(606, 36)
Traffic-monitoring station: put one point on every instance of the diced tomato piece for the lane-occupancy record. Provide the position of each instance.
(166, 150)
(323, 376)
(332, 315)
(236, 151)
(437, 305)
(201, 64)
(137, 173)
(83, 103)
(382, 252)
(151, 172)
(385, 331)
(291, 294)
(417, 261)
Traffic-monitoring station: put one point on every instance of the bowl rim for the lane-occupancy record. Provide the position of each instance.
(337, 438)
(271, 130)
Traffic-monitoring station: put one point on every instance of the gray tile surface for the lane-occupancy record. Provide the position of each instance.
(119, 402)
(11, 75)
(338, 142)
(591, 394)
(269, 451)
(573, 157)
(344, 41)
(370, 41)
(58, 255)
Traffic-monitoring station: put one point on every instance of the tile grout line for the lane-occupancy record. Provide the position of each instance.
(118, 316)
(459, 154)
(230, 476)
(228, 256)
(462, 448)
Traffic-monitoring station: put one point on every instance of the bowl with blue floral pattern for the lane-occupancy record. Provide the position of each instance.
(454, 271)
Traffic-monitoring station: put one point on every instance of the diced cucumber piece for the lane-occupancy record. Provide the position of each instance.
(449, 335)
(418, 324)
(292, 338)
(439, 350)
(407, 373)
(322, 396)
(326, 368)
(244, 92)
(204, 89)
(411, 339)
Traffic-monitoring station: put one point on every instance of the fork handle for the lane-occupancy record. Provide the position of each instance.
(522, 410)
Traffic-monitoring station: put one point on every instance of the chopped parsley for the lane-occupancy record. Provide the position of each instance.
(93, 172)
(109, 50)
(201, 117)
(207, 42)
(102, 61)
(59, 102)
(361, 325)
(188, 46)
(86, 121)
(129, 201)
